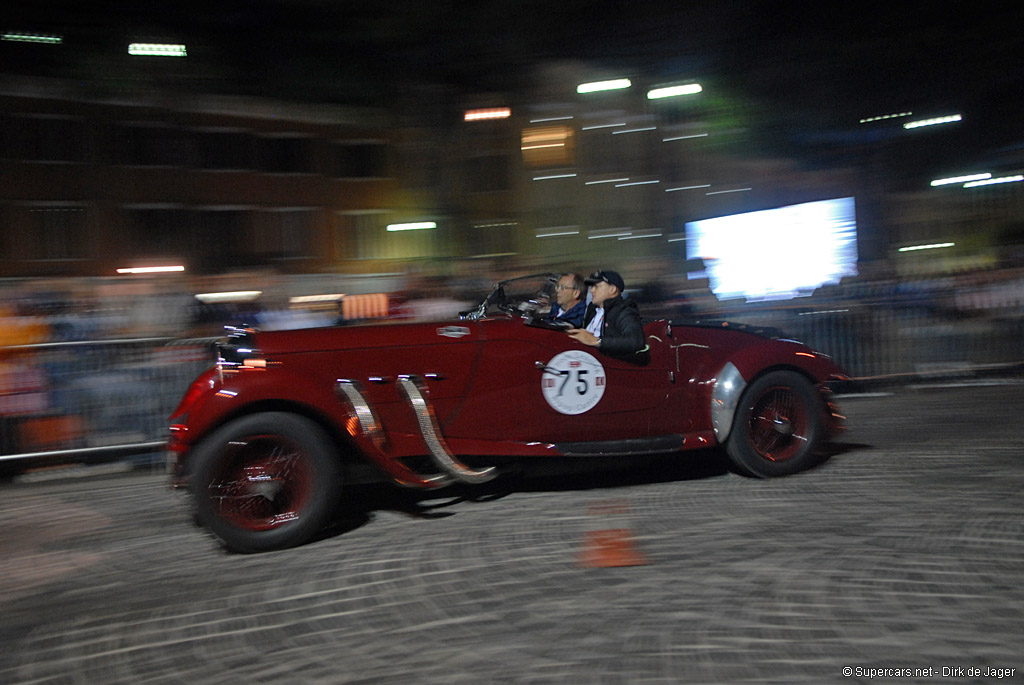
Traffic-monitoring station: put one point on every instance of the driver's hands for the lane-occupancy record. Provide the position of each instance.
(584, 336)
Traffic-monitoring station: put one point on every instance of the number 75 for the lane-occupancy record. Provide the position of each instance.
(581, 382)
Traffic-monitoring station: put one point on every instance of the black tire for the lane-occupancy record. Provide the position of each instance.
(266, 481)
(778, 427)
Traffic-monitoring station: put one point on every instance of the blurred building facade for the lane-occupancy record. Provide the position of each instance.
(288, 201)
(560, 179)
(612, 177)
(214, 184)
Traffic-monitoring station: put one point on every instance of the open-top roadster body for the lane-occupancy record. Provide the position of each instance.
(267, 438)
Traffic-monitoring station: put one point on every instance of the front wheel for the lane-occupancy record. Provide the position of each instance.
(266, 481)
(778, 427)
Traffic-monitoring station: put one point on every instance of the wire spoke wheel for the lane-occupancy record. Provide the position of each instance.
(778, 427)
(266, 481)
(778, 424)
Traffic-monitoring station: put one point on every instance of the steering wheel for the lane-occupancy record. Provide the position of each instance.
(531, 306)
(550, 325)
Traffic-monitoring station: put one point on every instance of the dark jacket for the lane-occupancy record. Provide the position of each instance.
(622, 332)
(574, 316)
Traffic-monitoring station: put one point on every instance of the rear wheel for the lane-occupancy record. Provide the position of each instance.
(266, 481)
(778, 427)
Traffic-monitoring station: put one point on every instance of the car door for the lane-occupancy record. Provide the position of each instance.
(536, 383)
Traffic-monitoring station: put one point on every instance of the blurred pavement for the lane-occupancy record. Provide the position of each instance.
(902, 551)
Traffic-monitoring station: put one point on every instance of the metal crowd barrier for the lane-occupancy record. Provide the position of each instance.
(82, 401)
(893, 342)
(86, 400)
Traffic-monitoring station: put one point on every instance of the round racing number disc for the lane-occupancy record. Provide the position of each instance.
(573, 382)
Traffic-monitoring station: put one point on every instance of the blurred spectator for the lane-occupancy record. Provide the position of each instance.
(431, 299)
(93, 361)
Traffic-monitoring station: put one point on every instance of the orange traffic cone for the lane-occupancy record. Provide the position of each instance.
(610, 546)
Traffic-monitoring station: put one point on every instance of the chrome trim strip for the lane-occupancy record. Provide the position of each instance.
(368, 422)
(725, 397)
(439, 451)
(372, 428)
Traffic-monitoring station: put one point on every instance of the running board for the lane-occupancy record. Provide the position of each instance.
(439, 452)
(622, 448)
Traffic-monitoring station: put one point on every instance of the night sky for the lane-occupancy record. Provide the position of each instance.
(810, 69)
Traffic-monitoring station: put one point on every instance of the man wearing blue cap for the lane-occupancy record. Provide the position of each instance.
(615, 327)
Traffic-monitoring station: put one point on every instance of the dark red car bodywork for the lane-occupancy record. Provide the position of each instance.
(445, 394)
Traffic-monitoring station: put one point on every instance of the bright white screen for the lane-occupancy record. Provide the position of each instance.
(777, 254)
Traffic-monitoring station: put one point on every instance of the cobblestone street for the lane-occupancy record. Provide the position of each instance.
(904, 551)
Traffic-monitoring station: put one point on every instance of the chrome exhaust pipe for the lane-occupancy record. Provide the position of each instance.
(439, 452)
(371, 429)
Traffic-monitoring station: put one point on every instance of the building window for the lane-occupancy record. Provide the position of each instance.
(488, 174)
(285, 234)
(285, 155)
(420, 165)
(44, 138)
(224, 149)
(55, 233)
(155, 145)
(360, 160)
(613, 150)
(159, 233)
(364, 235)
(545, 146)
(493, 237)
(556, 219)
(220, 239)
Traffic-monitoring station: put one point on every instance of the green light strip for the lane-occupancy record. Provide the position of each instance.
(933, 122)
(33, 38)
(598, 86)
(157, 50)
(933, 246)
(414, 226)
(674, 91)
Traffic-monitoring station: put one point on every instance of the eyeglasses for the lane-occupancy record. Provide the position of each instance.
(564, 287)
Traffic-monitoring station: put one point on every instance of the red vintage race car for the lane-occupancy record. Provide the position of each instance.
(266, 439)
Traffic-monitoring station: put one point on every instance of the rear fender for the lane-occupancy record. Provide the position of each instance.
(754, 360)
(749, 363)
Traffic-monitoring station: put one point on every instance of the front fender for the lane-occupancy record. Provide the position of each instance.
(229, 396)
(725, 397)
(341, 407)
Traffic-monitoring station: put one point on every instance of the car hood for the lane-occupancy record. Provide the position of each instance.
(376, 336)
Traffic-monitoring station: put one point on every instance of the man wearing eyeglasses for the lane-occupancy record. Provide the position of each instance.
(615, 327)
(569, 303)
